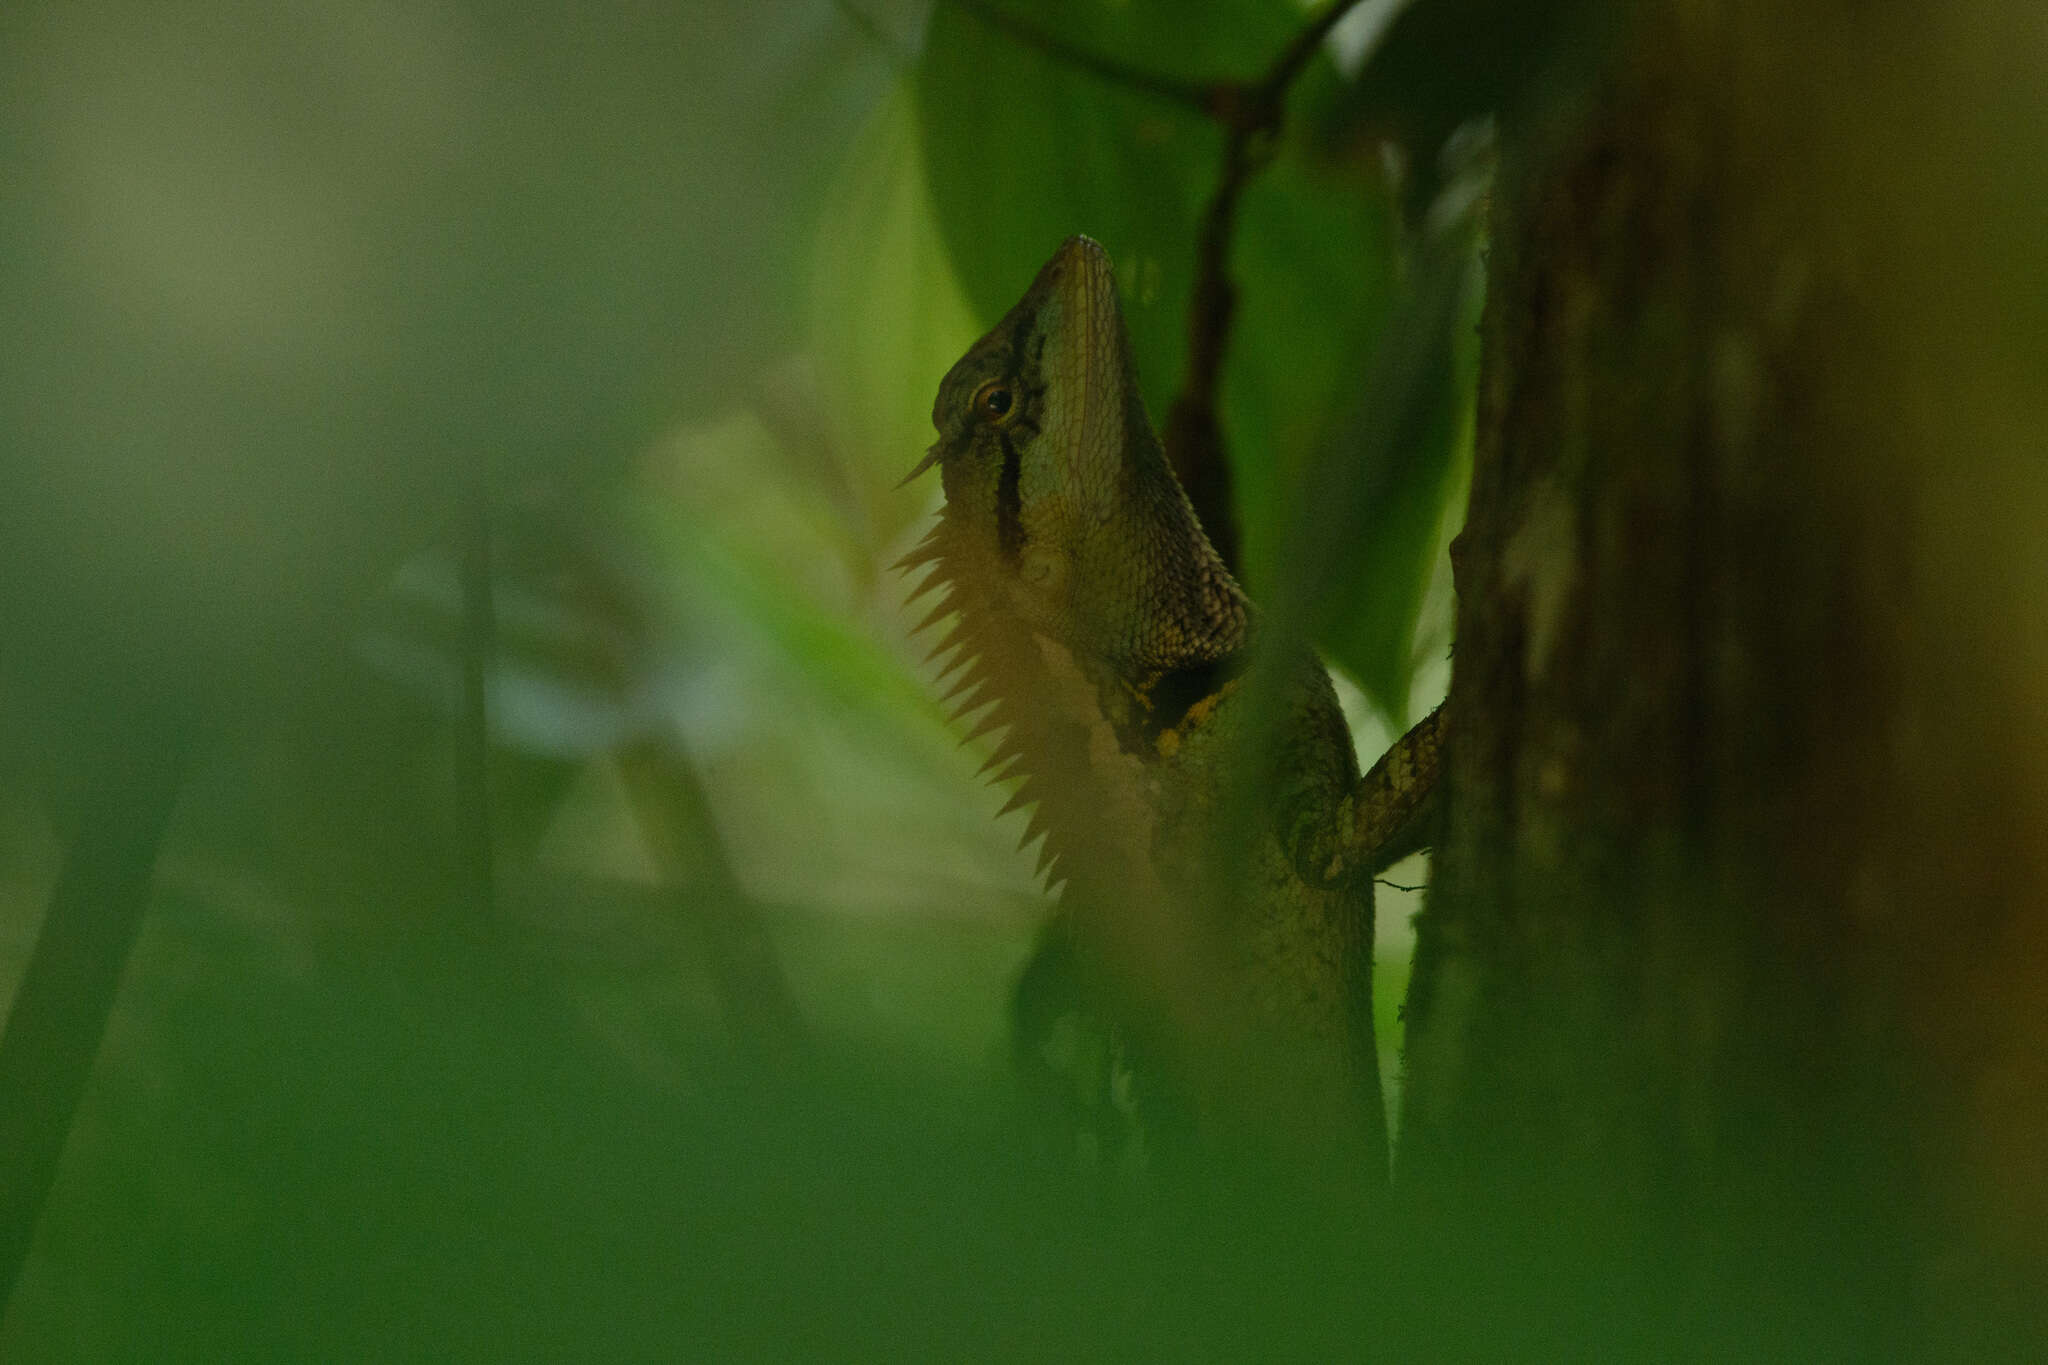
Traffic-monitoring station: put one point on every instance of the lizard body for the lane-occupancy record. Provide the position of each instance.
(1218, 975)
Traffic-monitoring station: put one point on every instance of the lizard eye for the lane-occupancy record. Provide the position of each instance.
(993, 402)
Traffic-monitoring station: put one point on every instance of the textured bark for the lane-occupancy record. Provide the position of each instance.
(1727, 1030)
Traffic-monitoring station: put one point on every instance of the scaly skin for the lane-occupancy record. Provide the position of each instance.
(1198, 979)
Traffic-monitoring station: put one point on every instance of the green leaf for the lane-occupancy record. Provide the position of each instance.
(1374, 510)
(284, 283)
(1024, 148)
(1314, 266)
(887, 313)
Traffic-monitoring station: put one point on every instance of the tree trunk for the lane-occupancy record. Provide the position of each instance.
(1729, 1029)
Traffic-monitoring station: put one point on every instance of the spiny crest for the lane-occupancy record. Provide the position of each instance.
(1010, 748)
(945, 607)
(984, 671)
(927, 551)
(992, 720)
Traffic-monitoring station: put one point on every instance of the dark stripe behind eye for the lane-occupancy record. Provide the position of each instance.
(1010, 504)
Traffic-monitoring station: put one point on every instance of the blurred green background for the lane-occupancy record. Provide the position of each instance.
(286, 294)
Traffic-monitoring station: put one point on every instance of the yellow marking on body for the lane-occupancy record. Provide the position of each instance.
(1198, 714)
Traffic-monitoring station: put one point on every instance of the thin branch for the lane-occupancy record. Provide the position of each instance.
(1195, 95)
(59, 1013)
(675, 819)
(1253, 115)
(1304, 45)
(871, 29)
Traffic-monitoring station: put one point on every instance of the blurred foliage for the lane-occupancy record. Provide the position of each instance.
(670, 289)
(281, 285)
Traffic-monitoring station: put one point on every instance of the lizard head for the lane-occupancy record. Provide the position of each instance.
(1058, 496)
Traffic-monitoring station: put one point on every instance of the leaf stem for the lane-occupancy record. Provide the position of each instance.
(1252, 114)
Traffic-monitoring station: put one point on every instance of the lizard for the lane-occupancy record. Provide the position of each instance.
(1198, 986)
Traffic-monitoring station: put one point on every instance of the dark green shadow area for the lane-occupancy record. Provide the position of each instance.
(350, 1158)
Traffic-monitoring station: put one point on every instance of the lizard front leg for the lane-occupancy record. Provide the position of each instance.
(1390, 814)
